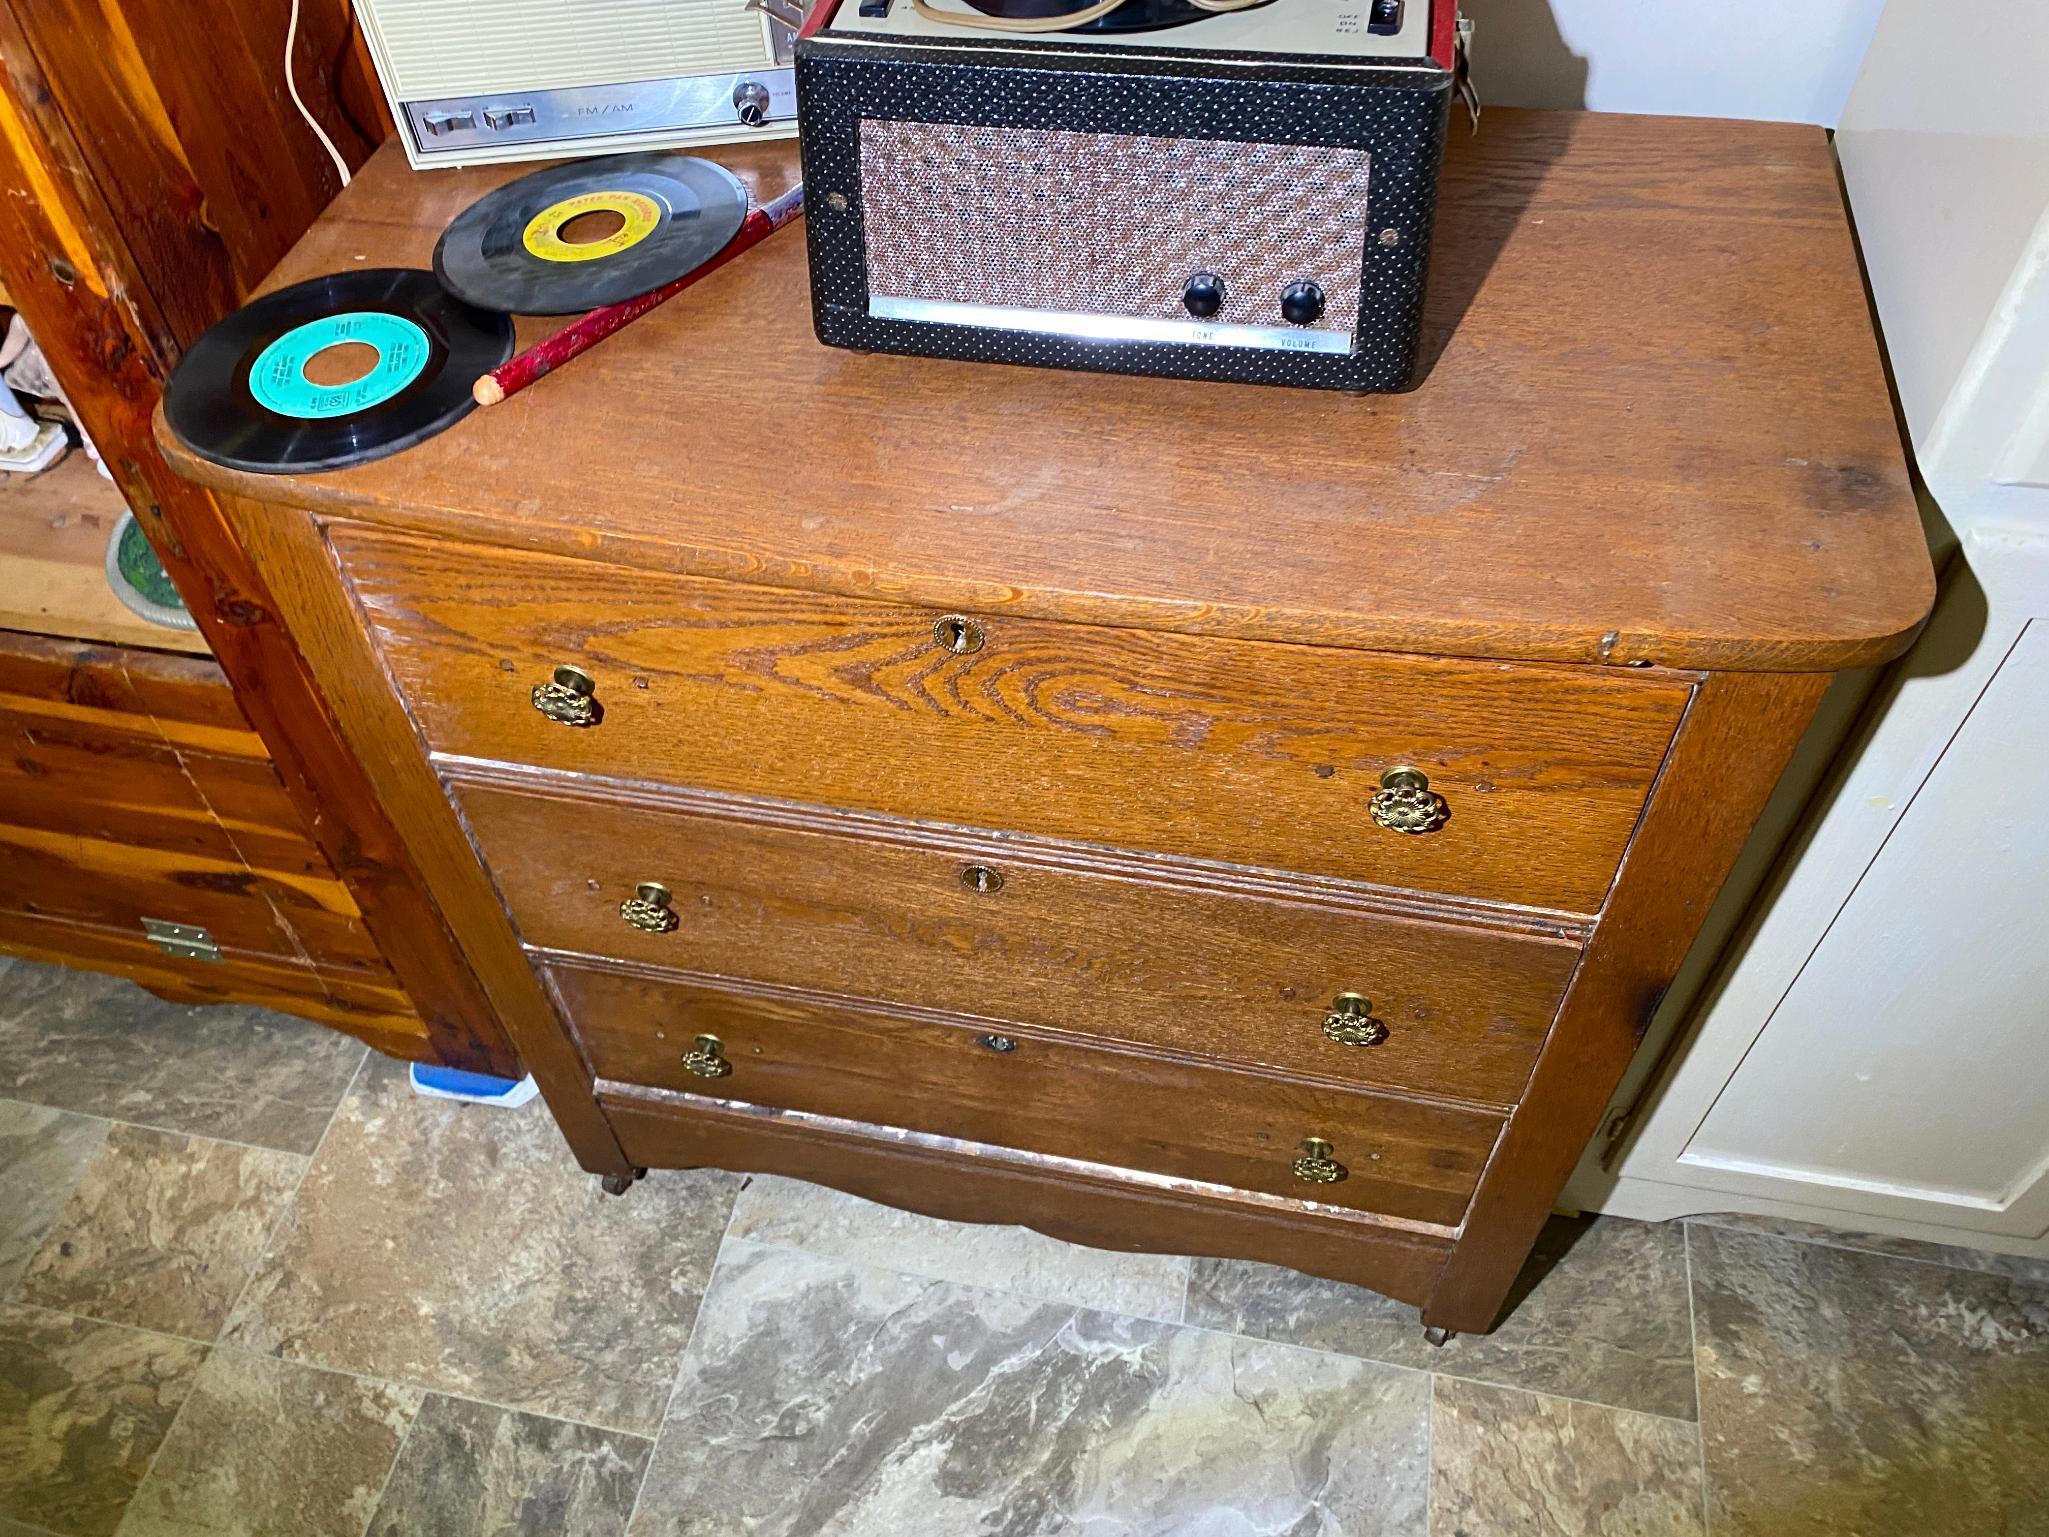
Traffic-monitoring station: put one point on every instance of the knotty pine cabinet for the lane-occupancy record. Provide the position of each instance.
(151, 171)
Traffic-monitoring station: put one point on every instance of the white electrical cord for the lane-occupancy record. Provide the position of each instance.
(341, 166)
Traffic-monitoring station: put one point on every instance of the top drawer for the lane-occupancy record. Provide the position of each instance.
(1242, 751)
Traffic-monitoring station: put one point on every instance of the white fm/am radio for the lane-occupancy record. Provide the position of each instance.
(478, 80)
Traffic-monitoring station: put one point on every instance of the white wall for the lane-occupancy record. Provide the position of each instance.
(1946, 157)
(1786, 60)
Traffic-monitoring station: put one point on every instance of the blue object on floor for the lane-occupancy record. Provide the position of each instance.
(472, 1088)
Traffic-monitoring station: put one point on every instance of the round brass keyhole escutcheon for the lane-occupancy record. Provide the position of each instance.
(1350, 1021)
(981, 878)
(958, 634)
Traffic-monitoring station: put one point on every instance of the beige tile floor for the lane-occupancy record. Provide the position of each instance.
(249, 1283)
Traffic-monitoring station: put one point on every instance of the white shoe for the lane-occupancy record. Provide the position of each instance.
(25, 371)
(44, 447)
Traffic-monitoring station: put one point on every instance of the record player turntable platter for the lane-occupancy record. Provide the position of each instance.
(1132, 16)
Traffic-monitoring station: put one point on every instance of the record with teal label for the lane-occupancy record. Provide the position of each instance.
(278, 378)
(255, 393)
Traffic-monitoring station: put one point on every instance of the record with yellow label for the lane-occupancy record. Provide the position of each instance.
(586, 233)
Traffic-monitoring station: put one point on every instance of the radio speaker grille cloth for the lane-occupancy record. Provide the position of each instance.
(1107, 223)
(457, 47)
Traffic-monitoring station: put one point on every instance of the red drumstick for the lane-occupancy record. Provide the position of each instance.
(515, 374)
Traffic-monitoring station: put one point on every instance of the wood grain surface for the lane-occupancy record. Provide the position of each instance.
(1072, 940)
(1406, 1158)
(977, 1182)
(183, 699)
(1249, 752)
(1654, 426)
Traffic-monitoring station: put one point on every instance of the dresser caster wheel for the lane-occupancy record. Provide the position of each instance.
(1440, 1337)
(619, 1184)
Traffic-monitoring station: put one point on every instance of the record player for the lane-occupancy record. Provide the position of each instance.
(1209, 189)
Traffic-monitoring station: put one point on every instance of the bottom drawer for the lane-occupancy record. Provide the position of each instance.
(986, 1082)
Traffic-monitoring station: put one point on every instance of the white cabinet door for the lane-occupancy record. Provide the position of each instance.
(1905, 1073)
(1872, 1049)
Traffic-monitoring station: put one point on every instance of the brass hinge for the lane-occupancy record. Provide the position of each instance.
(184, 940)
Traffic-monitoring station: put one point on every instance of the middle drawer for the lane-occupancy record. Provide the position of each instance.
(1057, 936)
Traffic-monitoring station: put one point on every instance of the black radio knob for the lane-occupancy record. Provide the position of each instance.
(1203, 294)
(1302, 304)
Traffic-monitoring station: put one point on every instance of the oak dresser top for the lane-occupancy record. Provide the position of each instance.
(1654, 427)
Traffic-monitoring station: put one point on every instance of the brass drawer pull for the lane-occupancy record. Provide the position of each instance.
(981, 878)
(1316, 1165)
(1350, 1021)
(707, 1060)
(648, 908)
(571, 699)
(958, 634)
(1405, 803)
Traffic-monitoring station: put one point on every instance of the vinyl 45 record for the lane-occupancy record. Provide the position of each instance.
(242, 395)
(508, 250)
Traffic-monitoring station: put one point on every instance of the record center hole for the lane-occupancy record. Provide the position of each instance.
(591, 226)
(342, 363)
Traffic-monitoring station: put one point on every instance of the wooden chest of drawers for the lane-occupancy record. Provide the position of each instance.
(1174, 817)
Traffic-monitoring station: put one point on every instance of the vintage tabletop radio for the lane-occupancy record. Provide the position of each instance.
(478, 80)
(1206, 189)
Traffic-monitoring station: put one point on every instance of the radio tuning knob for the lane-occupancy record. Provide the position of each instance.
(1203, 295)
(1302, 304)
(750, 101)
